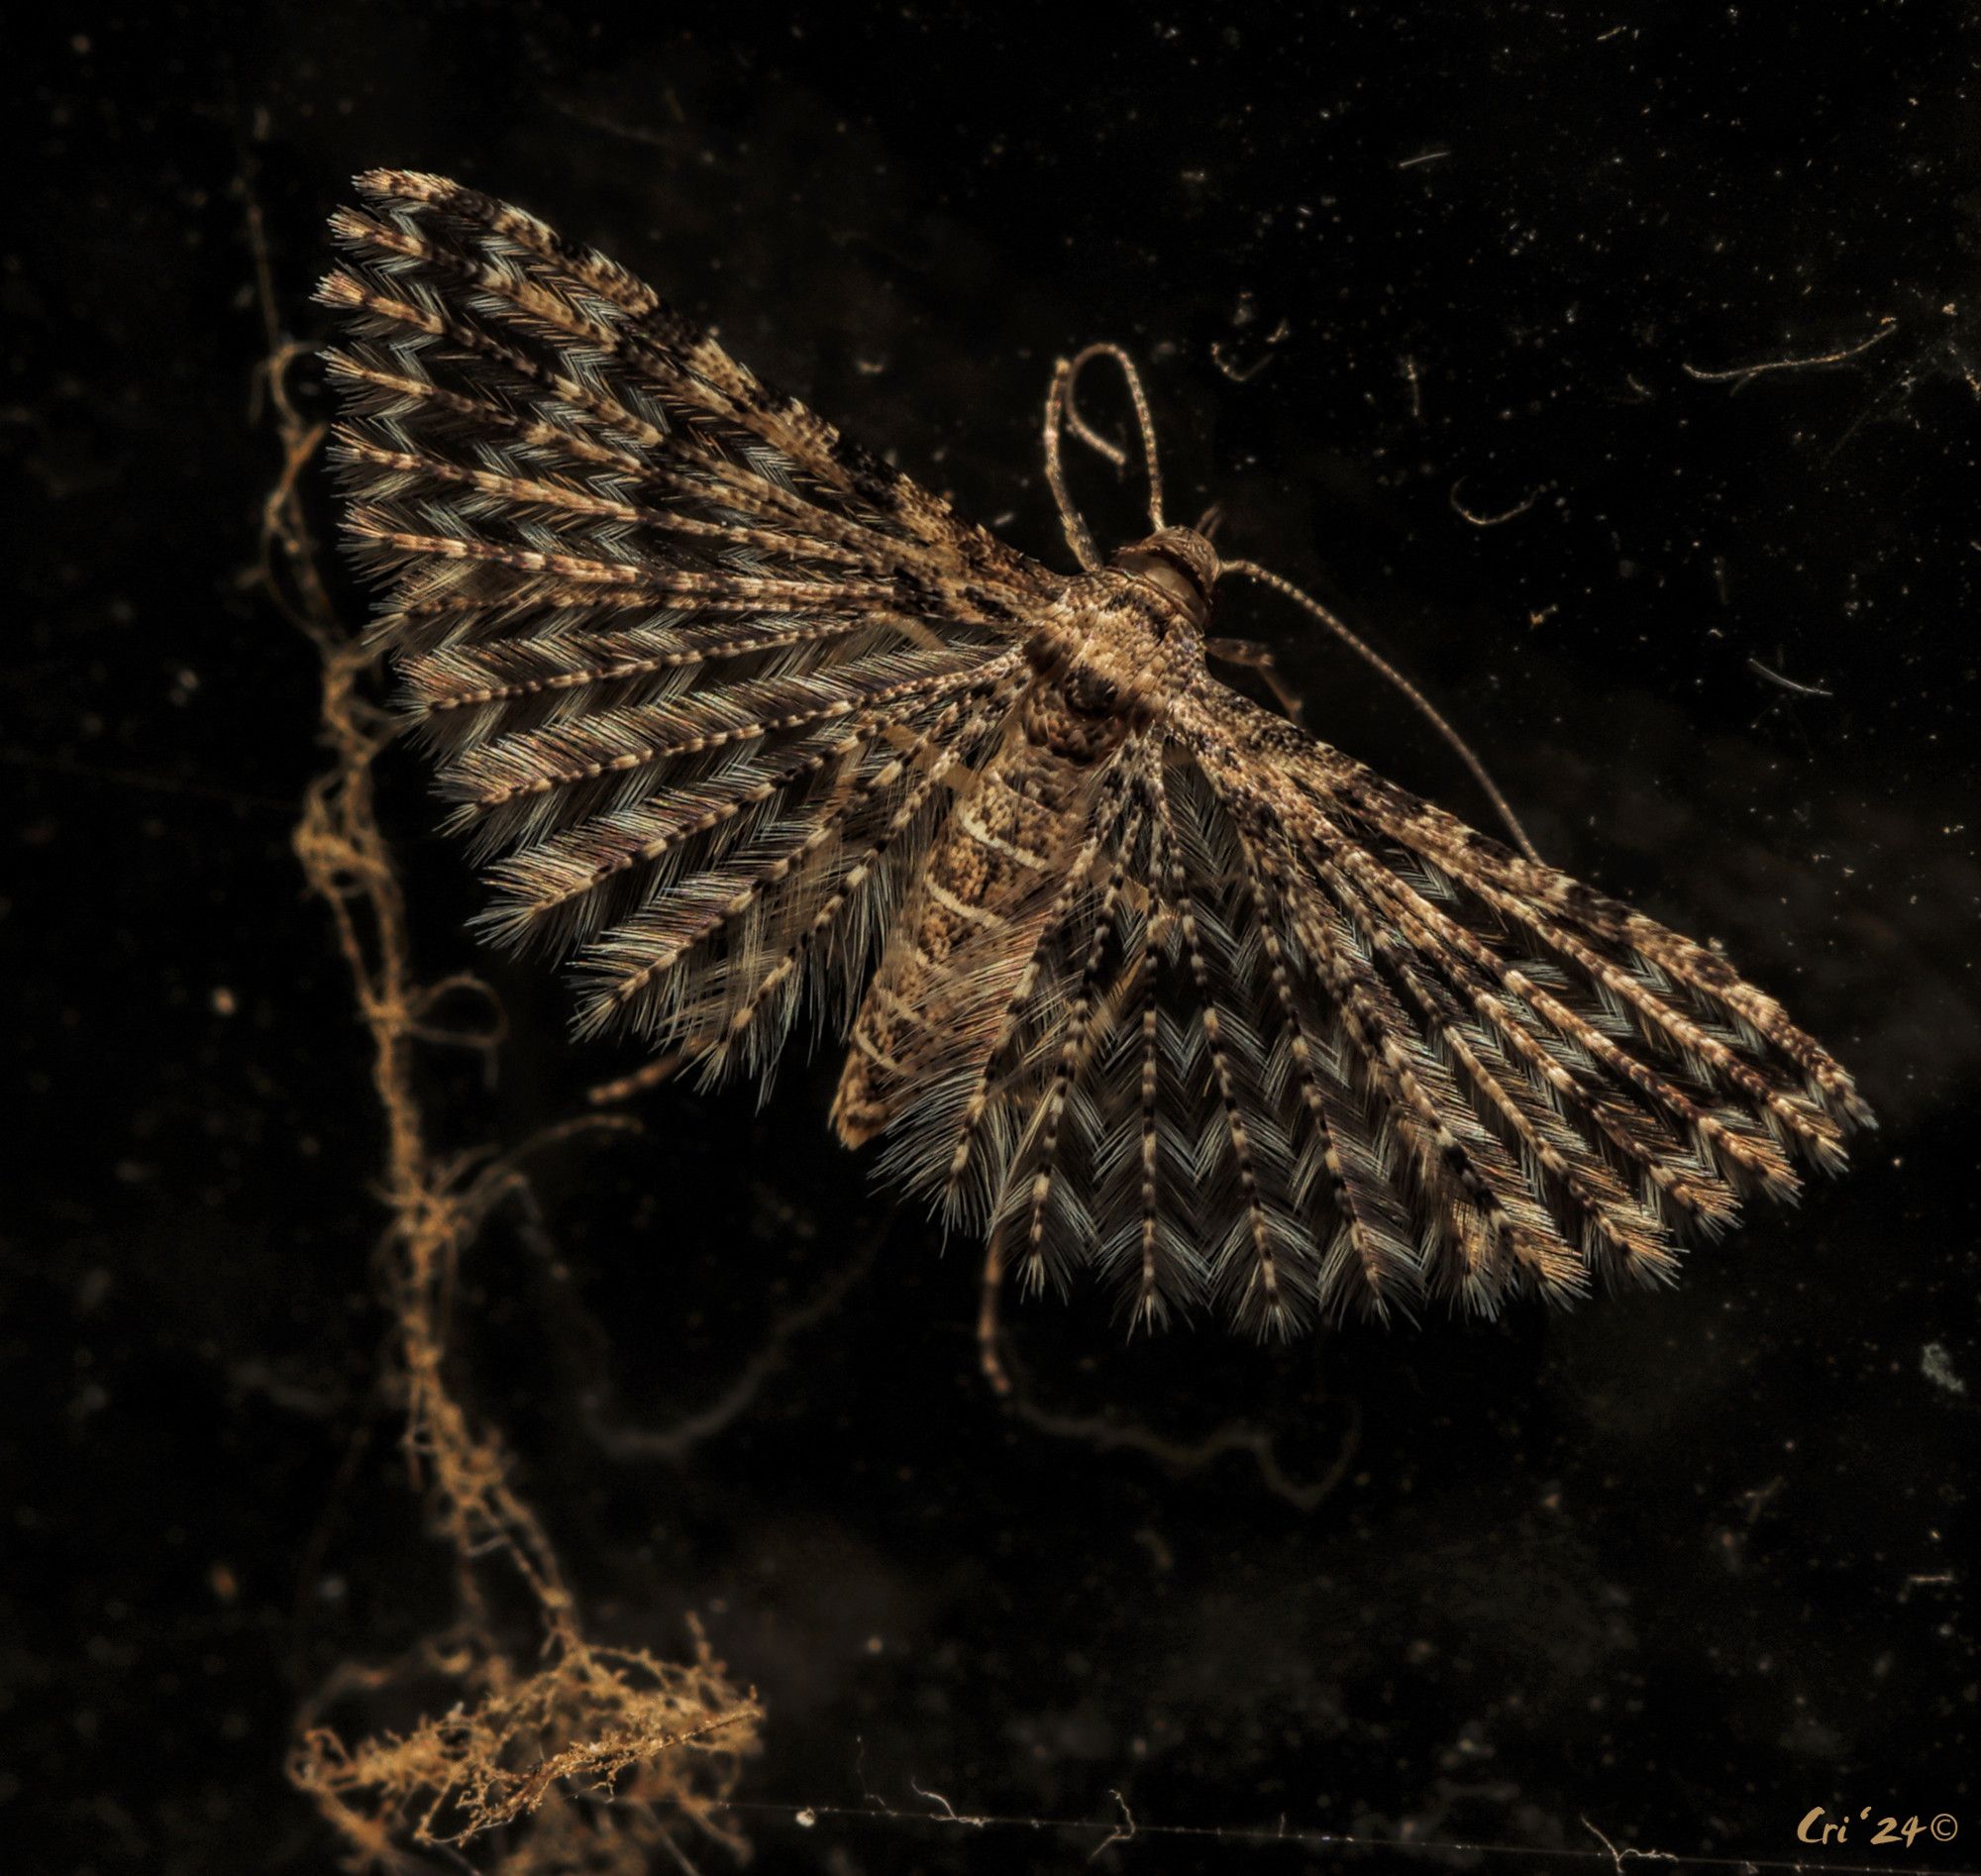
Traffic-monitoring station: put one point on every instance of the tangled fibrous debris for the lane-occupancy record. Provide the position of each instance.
(591, 1758)
(604, 1752)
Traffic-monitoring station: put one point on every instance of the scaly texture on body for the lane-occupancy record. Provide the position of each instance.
(1140, 978)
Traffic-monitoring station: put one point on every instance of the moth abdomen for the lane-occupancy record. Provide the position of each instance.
(965, 938)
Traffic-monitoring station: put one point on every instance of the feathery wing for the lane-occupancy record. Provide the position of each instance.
(1293, 1042)
(1259, 1032)
(703, 670)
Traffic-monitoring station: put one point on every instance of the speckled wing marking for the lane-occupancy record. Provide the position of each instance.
(697, 665)
(1566, 1080)
(1289, 1041)
(1139, 979)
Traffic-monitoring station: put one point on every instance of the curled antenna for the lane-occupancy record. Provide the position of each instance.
(1250, 569)
(1062, 413)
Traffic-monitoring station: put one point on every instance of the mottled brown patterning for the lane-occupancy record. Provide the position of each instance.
(1156, 987)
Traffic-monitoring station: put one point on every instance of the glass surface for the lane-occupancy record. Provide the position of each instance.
(1617, 372)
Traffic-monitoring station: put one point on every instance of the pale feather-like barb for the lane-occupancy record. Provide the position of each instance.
(1140, 979)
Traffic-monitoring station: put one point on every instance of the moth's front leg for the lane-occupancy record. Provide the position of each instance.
(1256, 657)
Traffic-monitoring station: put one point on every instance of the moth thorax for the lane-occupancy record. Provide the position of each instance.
(1180, 565)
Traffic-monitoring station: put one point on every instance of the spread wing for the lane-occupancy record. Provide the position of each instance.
(703, 672)
(1284, 1040)
(1297, 1043)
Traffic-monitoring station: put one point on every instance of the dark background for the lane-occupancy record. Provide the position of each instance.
(1683, 1566)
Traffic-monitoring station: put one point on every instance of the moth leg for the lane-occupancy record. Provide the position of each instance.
(988, 1357)
(1259, 658)
(1251, 569)
(650, 1074)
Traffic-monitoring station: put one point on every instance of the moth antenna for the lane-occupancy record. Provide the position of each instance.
(1251, 569)
(1062, 412)
(1077, 535)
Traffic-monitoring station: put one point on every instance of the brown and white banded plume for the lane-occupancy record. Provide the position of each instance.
(1140, 979)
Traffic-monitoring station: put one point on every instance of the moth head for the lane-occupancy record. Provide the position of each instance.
(1179, 564)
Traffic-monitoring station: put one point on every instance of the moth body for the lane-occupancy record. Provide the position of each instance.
(1138, 978)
